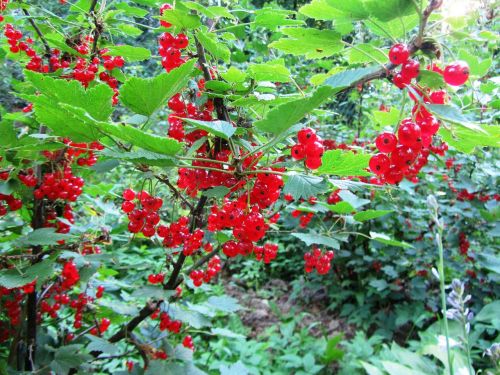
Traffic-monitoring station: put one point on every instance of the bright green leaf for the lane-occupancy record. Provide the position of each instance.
(344, 163)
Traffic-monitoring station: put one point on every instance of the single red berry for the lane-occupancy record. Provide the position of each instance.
(409, 134)
(386, 142)
(306, 136)
(128, 194)
(298, 152)
(456, 73)
(379, 164)
(398, 54)
(410, 69)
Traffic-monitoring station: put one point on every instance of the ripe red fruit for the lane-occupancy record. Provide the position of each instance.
(398, 54)
(128, 194)
(298, 152)
(386, 142)
(163, 8)
(456, 73)
(438, 97)
(410, 69)
(128, 206)
(409, 134)
(313, 163)
(306, 136)
(400, 81)
(379, 164)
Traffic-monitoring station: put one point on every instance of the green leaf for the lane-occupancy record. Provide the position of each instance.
(181, 19)
(100, 345)
(312, 43)
(67, 357)
(234, 75)
(354, 9)
(394, 368)
(129, 53)
(431, 79)
(367, 53)
(349, 77)
(95, 101)
(42, 237)
(272, 18)
(304, 186)
(322, 10)
(146, 95)
(342, 208)
(191, 317)
(8, 135)
(217, 192)
(214, 46)
(217, 86)
(226, 333)
(395, 29)
(453, 114)
(370, 214)
(332, 352)
(284, 116)
(224, 303)
(141, 156)
(313, 238)
(12, 278)
(129, 29)
(131, 10)
(152, 291)
(210, 12)
(466, 140)
(477, 68)
(386, 118)
(344, 163)
(222, 129)
(274, 71)
(383, 238)
(489, 313)
(388, 10)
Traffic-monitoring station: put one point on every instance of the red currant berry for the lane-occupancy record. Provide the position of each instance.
(457, 73)
(386, 142)
(398, 54)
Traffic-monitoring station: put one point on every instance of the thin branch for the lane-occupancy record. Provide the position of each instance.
(48, 51)
(174, 191)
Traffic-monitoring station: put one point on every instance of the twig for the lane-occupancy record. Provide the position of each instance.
(39, 33)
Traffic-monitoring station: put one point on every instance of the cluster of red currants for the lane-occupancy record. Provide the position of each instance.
(266, 253)
(318, 260)
(464, 244)
(170, 50)
(187, 342)
(213, 268)
(309, 147)
(146, 218)
(166, 323)
(12, 203)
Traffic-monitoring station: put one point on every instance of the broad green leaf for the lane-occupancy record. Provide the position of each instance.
(353, 199)
(146, 95)
(394, 368)
(129, 29)
(8, 135)
(217, 192)
(312, 43)
(453, 114)
(274, 71)
(224, 303)
(42, 237)
(322, 10)
(129, 53)
(96, 101)
(272, 18)
(100, 345)
(313, 238)
(304, 186)
(466, 140)
(489, 313)
(67, 357)
(344, 163)
(189, 316)
(217, 86)
(210, 12)
(430, 79)
(370, 214)
(386, 118)
(478, 68)
(140, 156)
(342, 208)
(152, 291)
(214, 46)
(354, 9)
(332, 352)
(284, 116)
(234, 75)
(139, 138)
(388, 10)
(350, 77)
(12, 278)
(385, 239)
(226, 333)
(367, 53)
(181, 19)
(131, 10)
(222, 129)
(396, 29)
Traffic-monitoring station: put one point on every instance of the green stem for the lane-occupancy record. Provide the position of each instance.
(443, 296)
